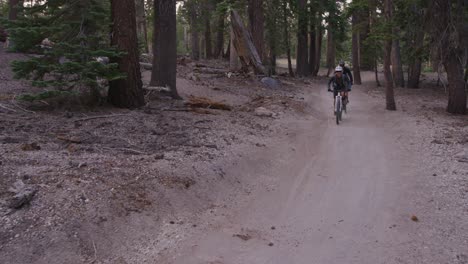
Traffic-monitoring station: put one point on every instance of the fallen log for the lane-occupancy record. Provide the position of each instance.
(202, 102)
(243, 43)
(146, 66)
(209, 71)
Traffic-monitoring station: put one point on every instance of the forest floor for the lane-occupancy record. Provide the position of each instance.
(277, 184)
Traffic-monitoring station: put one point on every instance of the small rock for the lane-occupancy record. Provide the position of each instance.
(273, 228)
(270, 244)
(414, 218)
(270, 82)
(262, 111)
(23, 195)
(462, 156)
(437, 141)
(245, 237)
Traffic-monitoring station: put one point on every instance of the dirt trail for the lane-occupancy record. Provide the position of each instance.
(331, 194)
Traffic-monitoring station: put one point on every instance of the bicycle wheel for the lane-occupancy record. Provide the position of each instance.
(338, 111)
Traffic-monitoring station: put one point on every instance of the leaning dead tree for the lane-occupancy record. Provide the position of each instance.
(244, 45)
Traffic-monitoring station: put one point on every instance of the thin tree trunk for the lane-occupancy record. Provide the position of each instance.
(287, 39)
(256, 22)
(194, 37)
(302, 47)
(457, 87)
(330, 52)
(397, 68)
(376, 71)
(355, 52)
(415, 65)
(219, 37)
(13, 7)
(208, 47)
(165, 46)
(141, 23)
(389, 94)
(313, 45)
(128, 92)
(318, 43)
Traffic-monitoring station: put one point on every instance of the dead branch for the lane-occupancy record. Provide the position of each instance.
(7, 108)
(202, 102)
(157, 88)
(146, 66)
(97, 117)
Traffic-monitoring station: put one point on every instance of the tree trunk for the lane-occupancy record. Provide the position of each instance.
(287, 39)
(13, 7)
(318, 43)
(355, 52)
(256, 22)
(397, 68)
(165, 46)
(141, 23)
(330, 52)
(244, 45)
(366, 59)
(415, 64)
(389, 94)
(128, 92)
(233, 57)
(194, 37)
(457, 87)
(313, 45)
(208, 47)
(376, 72)
(219, 37)
(302, 48)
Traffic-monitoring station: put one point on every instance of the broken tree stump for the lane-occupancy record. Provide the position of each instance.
(243, 42)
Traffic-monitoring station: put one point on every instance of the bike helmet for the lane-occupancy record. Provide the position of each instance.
(338, 69)
(341, 63)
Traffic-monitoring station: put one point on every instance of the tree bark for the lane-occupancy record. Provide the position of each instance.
(302, 47)
(397, 68)
(313, 45)
(208, 46)
(141, 23)
(457, 87)
(318, 43)
(389, 93)
(415, 65)
(287, 38)
(244, 45)
(194, 36)
(13, 7)
(355, 51)
(256, 22)
(330, 52)
(219, 37)
(233, 57)
(128, 92)
(165, 46)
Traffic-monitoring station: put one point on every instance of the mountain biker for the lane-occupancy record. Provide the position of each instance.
(340, 82)
(347, 71)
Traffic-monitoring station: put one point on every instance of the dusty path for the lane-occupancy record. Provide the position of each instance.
(335, 194)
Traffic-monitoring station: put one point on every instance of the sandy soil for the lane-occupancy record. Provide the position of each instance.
(163, 186)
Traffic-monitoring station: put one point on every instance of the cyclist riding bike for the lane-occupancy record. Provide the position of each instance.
(347, 72)
(340, 83)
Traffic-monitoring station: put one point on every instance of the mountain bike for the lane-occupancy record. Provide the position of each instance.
(340, 106)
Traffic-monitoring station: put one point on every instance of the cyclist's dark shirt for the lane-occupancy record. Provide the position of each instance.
(339, 83)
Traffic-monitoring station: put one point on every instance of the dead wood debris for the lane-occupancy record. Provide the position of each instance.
(202, 102)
